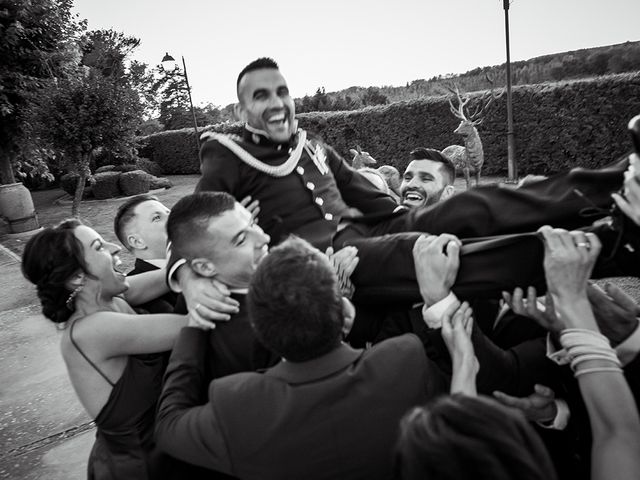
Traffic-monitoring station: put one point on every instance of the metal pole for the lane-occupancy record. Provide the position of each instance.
(193, 113)
(511, 143)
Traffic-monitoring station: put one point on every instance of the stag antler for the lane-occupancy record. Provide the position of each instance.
(462, 102)
(486, 100)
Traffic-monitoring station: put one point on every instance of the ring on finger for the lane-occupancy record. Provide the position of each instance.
(586, 245)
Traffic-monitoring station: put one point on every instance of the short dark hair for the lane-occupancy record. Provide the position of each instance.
(459, 437)
(294, 302)
(189, 220)
(126, 213)
(422, 153)
(258, 64)
(51, 257)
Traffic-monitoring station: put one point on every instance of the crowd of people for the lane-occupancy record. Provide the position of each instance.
(292, 319)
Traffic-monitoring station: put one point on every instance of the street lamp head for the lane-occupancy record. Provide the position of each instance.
(168, 61)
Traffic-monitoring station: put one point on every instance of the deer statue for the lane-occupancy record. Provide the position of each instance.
(361, 158)
(469, 158)
(387, 174)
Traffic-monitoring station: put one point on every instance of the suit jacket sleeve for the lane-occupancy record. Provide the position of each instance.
(185, 429)
(514, 371)
(356, 190)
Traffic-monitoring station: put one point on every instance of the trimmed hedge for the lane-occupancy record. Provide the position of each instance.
(106, 185)
(557, 126)
(134, 182)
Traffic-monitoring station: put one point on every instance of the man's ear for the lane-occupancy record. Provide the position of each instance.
(239, 112)
(77, 280)
(135, 242)
(349, 314)
(448, 191)
(203, 267)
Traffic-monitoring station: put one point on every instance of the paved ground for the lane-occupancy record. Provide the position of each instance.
(44, 432)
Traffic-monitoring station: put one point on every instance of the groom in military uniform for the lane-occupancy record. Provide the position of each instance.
(305, 188)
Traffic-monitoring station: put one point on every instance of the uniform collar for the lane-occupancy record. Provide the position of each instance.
(311, 370)
(260, 137)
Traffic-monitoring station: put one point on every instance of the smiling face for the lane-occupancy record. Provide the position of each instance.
(236, 245)
(424, 183)
(265, 103)
(101, 259)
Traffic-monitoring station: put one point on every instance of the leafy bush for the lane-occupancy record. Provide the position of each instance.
(105, 168)
(557, 126)
(134, 182)
(106, 185)
(69, 181)
(159, 182)
(148, 166)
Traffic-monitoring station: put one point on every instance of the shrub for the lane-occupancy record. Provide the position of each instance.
(105, 168)
(106, 185)
(159, 182)
(127, 167)
(69, 181)
(134, 182)
(148, 166)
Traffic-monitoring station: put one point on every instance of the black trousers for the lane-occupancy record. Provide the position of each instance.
(497, 227)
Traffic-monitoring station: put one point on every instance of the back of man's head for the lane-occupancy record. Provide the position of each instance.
(422, 153)
(189, 220)
(258, 64)
(126, 214)
(294, 302)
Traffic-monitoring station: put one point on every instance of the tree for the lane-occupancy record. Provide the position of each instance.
(77, 116)
(37, 44)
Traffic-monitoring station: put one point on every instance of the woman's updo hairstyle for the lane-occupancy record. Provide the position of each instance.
(51, 257)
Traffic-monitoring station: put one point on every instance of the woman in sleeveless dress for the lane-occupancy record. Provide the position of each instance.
(111, 353)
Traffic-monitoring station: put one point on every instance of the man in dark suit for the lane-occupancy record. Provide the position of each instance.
(218, 237)
(325, 411)
(140, 226)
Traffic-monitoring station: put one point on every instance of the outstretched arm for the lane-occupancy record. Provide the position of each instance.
(569, 259)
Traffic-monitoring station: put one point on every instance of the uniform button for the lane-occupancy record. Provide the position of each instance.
(310, 186)
(319, 201)
(300, 170)
(328, 216)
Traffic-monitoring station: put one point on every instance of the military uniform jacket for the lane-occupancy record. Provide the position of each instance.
(309, 202)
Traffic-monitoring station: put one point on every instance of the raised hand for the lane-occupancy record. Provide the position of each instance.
(616, 312)
(436, 260)
(568, 260)
(252, 206)
(206, 298)
(457, 325)
(344, 262)
(544, 315)
(540, 406)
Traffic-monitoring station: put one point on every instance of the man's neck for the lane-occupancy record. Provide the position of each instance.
(260, 137)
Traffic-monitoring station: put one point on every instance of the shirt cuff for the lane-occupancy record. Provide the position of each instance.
(173, 282)
(563, 414)
(628, 349)
(561, 357)
(433, 315)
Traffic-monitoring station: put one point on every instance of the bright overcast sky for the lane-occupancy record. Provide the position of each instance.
(342, 43)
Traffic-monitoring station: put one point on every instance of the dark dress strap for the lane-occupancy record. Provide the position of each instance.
(95, 367)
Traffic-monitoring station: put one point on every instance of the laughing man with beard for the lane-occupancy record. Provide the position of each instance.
(428, 178)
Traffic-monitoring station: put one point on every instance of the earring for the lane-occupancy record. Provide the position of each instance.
(72, 295)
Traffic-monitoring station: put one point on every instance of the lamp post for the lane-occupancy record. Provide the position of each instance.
(168, 61)
(511, 144)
